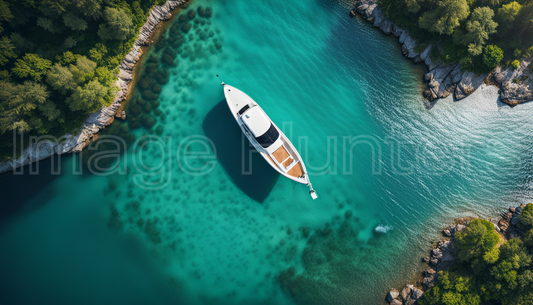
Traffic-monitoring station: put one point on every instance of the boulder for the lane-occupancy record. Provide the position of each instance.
(428, 76)
(515, 219)
(397, 30)
(416, 294)
(512, 210)
(406, 292)
(425, 53)
(393, 294)
(429, 281)
(429, 271)
(434, 261)
(446, 233)
(468, 84)
(395, 302)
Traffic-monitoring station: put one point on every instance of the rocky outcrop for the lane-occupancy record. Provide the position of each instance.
(392, 295)
(515, 84)
(96, 121)
(509, 224)
(443, 79)
(409, 295)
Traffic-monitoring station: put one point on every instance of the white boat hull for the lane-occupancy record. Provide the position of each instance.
(280, 154)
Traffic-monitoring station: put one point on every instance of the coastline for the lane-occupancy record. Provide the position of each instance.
(444, 80)
(104, 117)
(441, 256)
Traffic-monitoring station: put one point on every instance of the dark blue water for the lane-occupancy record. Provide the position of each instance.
(183, 218)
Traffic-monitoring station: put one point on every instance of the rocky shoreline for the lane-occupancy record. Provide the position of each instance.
(105, 116)
(442, 256)
(443, 80)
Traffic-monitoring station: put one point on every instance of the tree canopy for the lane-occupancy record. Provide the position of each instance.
(478, 28)
(444, 16)
(67, 51)
(485, 272)
(117, 26)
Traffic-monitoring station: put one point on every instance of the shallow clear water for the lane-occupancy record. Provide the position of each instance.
(348, 100)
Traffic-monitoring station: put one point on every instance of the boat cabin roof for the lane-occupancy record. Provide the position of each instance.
(256, 120)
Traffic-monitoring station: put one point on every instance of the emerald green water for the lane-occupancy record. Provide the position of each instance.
(172, 234)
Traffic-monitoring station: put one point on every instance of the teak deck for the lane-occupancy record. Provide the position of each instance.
(281, 154)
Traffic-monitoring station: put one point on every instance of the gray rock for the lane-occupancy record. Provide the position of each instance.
(459, 228)
(397, 30)
(406, 292)
(425, 53)
(404, 36)
(429, 281)
(446, 233)
(434, 261)
(515, 219)
(428, 76)
(468, 84)
(416, 294)
(393, 294)
(433, 84)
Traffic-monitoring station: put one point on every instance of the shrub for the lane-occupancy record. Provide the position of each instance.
(492, 55)
(516, 80)
(526, 217)
(517, 54)
(515, 64)
(529, 51)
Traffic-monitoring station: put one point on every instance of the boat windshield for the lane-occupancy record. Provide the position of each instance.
(269, 137)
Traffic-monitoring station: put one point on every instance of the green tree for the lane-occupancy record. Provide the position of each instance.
(74, 22)
(17, 103)
(117, 26)
(492, 55)
(528, 238)
(413, 6)
(104, 76)
(61, 79)
(444, 16)
(31, 65)
(7, 50)
(49, 110)
(53, 8)
(48, 24)
(507, 15)
(478, 239)
(83, 70)
(514, 258)
(89, 8)
(89, 98)
(98, 53)
(490, 3)
(478, 28)
(5, 13)
(69, 43)
(526, 216)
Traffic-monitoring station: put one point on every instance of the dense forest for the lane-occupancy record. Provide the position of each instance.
(488, 269)
(59, 60)
(479, 34)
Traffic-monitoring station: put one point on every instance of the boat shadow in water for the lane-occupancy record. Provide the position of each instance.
(243, 164)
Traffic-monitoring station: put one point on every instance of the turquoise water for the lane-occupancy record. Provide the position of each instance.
(173, 234)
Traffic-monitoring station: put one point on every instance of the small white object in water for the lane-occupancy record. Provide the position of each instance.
(383, 229)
